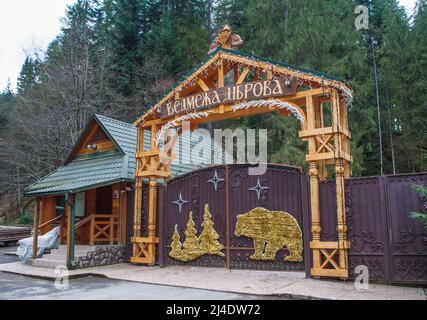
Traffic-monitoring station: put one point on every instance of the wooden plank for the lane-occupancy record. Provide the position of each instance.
(145, 239)
(314, 132)
(92, 231)
(328, 244)
(36, 227)
(155, 173)
(243, 75)
(140, 260)
(69, 227)
(334, 273)
(221, 75)
(235, 73)
(47, 212)
(202, 85)
(324, 130)
(153, 137)
(101, 146)
(328, 155)
(149, 153)
(90, 202)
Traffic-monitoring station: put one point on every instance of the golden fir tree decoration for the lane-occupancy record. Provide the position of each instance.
(193, 246)
(191, 242)
(176, 251)
(209, 237)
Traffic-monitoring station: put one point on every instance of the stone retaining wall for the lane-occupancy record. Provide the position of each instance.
(102, 256)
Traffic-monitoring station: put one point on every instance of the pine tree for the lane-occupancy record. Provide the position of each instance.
(127, 31)
(27, 76)
(209, 238)
(7, 106)
(176, 245)
(191, 242)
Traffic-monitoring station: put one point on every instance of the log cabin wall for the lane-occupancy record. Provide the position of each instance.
(98, 138)
(48, 212)
(90, 202)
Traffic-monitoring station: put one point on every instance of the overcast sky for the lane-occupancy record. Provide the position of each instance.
(35, 23)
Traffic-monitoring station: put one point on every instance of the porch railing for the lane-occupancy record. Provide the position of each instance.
(102, 228)
(57, 219)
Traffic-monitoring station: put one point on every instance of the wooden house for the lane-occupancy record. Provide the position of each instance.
(94, 187)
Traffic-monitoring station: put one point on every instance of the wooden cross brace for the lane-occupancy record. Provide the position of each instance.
(102, 231)
(324, 143)
(329, 258)
(142, 251)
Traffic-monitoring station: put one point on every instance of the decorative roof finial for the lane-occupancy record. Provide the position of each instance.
(226, 39)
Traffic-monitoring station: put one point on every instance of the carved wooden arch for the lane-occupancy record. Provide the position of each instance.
(167, 156)
(328, 142)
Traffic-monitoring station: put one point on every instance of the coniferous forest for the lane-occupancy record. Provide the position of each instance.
(115, 57)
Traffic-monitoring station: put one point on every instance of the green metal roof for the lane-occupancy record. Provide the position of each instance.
(122, 133)
(82, 174)
(90, 171)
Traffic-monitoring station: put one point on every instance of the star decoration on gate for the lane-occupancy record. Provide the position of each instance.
(180, 202)
(258, 188)
(215, 180)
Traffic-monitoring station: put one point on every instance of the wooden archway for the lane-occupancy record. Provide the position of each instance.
(231, 84)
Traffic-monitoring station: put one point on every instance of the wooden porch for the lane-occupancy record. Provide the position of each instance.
(92, 230)
(99, 216)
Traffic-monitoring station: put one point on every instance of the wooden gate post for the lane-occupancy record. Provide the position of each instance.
(341, 219)
(137, 214)
(138, 194)
(148, 167)
(314, 182)
(327, 145)
(341, 146)
(315, 212)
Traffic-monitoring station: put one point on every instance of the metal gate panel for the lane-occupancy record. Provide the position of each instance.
(233, 183)
(408, 243)
(383, 236)
(283, 194)
(196, 191)
(367, 226)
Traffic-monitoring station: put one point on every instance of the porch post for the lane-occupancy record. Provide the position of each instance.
(36, 227)
(69, 210)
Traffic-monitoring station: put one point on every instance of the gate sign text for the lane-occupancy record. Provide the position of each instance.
(230, 95)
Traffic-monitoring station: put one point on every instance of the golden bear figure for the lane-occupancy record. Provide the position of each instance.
(271, 231)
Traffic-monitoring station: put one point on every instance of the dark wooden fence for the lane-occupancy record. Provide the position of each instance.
(382, 234)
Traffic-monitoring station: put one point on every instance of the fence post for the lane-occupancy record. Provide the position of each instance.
(111, 229)
(91, 231)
